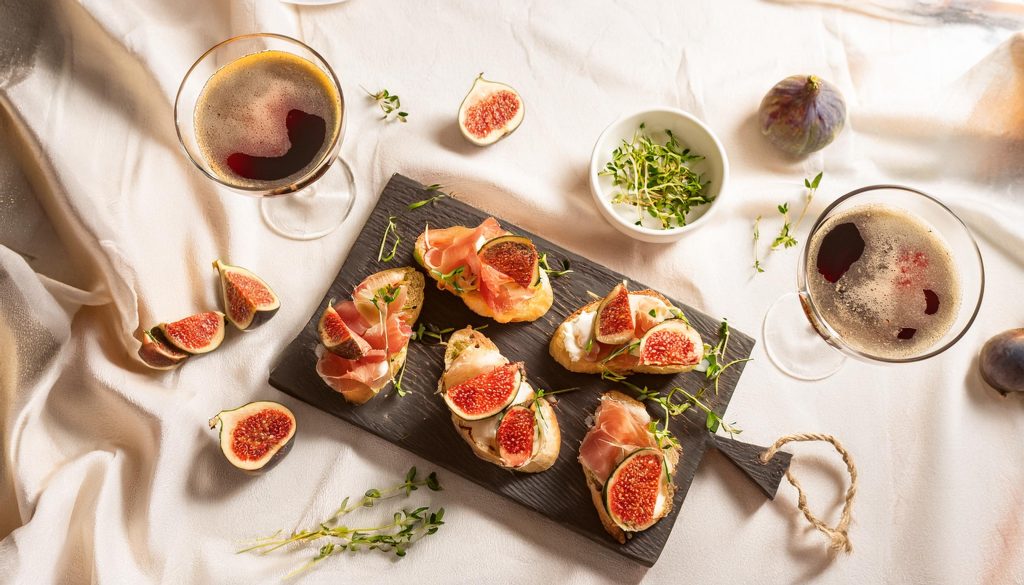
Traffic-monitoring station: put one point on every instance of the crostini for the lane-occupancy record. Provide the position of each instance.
(363, 341)
(496, 273)
(627, 332)
(494, 409)
(630, 475)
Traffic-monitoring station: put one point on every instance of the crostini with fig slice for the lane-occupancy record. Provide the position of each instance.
(363, 341)
(503, 419)
(629, 470)
(495, 272)
(627, 332)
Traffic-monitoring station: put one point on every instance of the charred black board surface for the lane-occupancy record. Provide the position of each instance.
(420, 421)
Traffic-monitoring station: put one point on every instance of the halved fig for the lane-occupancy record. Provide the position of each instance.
(158, 354)
(253, 435)
(615, 323)
(671, 343)
(487, 394)
(516, 435)
(631, 492)
(513, 256)
(248, 301)
(201, 333)
(490, 111)
(338, 338)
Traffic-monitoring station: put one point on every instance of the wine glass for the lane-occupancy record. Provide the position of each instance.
(264, 115)
(857, 312)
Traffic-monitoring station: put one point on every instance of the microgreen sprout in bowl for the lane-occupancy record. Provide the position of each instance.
(657, 174)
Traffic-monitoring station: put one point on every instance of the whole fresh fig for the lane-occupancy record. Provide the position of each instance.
(1002, 361)
(802, 114)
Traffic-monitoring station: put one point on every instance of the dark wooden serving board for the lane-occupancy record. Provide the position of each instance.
(420, 421)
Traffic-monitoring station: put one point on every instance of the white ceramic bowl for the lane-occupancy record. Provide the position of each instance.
(691, 133)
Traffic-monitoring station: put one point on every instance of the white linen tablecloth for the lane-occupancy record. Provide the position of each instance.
(108, 473)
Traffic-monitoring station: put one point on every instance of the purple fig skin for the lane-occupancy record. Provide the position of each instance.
(1002, 361)
(802, 114)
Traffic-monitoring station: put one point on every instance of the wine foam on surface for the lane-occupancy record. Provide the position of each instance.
(244, 105)
(882, 294)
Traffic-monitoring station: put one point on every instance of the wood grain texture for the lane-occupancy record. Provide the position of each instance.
(420, 422)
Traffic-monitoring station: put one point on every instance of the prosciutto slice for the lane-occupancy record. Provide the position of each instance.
(382, 327)
(619, 429)
(456, 247)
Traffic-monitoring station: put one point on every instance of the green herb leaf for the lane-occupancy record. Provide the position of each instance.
(389, 104)
(392, 231)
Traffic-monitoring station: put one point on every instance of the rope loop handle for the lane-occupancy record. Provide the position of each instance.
(839, 536)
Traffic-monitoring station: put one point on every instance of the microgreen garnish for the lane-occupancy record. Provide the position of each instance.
(786, 238)
(673, 407)
(543, 394)
(621, 350)
(655, 179)
(450, 278)
(429, 200)
(546, 267)
(405, 528)
(391, 229)
(678, 314)
(757, 236)
(389, 104)
(714, 362)
(424, 331)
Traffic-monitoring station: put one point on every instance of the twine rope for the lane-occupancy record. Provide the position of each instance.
(839, 536)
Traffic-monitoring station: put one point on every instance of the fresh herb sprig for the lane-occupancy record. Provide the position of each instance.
(430, 200)
(714, 362)
(757, 237)
(425, 331)
(785, 238)
(544, 394)
(672, 405)
(389, 103)
(546, 266)
(390, 231)
(655, 179)
(405, 528)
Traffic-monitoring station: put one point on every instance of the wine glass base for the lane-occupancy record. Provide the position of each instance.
(315, 211)
(794, 346)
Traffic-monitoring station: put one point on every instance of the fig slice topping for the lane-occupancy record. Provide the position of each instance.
(516, 435)
(200, 333)
(158, 354)
(253, 434)
(490, 111)
(615, 323)
(338, 338)
(671, 343)
(631, 492)
(248, 301)
(487, 394)
(513, 256)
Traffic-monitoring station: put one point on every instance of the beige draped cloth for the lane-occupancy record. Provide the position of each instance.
(108, 473)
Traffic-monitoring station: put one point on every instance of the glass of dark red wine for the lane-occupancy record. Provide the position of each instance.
(264, 115)
(888, 274)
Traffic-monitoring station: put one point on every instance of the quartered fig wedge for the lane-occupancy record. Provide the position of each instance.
(158, 354)
(615, 323)
(253, 435)
(490, 111)
(200, 333)
(338, 338)
(638, 493)
(513, 256)
(248, 301)
(671, 343)
(516, 436)
(487, 394)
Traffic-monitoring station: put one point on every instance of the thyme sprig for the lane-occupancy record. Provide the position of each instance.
(405, 528)
(389, 103)
(426, 331)
(757, 237)
(390, 230)
(546, 266)
(655, 179)
(430, 200)
(541, 393)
